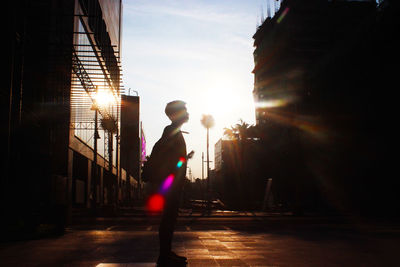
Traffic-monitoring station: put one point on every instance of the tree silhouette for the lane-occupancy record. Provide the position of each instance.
(239, 131)
(207, 121)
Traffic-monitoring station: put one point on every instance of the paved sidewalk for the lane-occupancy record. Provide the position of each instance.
(137, 245)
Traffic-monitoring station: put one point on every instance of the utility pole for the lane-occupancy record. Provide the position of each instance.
(190, 174)
(202, 170)
(208, 177)
(208, 121)
(202, 175)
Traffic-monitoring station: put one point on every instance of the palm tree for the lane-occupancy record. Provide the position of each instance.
(110, 125)
(240, 131)
(230, 133)
(208, 121)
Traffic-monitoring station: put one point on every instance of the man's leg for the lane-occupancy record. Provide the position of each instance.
(166, 230)
(167, 225)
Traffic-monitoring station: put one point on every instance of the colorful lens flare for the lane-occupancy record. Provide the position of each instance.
(180, 163)
(167, 183)
(155, 203)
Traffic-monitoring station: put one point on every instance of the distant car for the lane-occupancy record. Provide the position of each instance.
(200, 204)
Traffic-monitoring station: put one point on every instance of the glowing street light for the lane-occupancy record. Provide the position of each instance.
(102, 99)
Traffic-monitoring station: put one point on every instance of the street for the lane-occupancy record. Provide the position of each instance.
(240, 239)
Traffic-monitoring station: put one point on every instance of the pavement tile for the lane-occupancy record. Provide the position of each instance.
(232, 245)
(197, 251)
(231, 262)
(194, 244)
(200, 257)
(212, 244)
(220, 253)
(252, 257)
(202, 263)
(242, 251)
(224, 257)
(217, 248)
(141, 264)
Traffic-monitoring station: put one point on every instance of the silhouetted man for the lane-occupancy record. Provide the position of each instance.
(172, 169)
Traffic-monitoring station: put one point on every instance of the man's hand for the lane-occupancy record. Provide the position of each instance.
(190, 155)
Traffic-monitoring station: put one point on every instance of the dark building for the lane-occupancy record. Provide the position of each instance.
(61, 109)
(131, 146)
(227, 182)
(322, 70)
(238, 179)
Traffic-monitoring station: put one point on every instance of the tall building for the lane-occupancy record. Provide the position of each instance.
(61, 108)
(318, 67)
(289, 44)
(133, 145)
(227, 182)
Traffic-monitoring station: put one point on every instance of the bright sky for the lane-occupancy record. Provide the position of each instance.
(200, 52)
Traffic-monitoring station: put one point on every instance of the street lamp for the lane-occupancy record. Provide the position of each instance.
(208, 121)
(103, 100)
(94, 172)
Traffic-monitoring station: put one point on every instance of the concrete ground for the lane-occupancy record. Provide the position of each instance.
(247, 240)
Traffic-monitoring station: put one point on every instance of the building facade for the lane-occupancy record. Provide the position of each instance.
(62, 108)
(318, 65)
(133, 148)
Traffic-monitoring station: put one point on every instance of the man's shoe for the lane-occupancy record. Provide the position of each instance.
(175, 256)
(170, 261)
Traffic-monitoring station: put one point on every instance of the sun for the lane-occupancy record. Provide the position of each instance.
(220, 102)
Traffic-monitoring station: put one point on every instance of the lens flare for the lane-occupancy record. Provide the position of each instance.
(104, 98)
(167, 183)
(180, 162)
(155, 203)
(283, 15)
(274, 103)
(310, 125)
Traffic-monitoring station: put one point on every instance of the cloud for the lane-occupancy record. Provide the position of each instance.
(193, 10)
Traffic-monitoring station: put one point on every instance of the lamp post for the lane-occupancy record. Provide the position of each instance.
(139, 191)
(202, 166)
(94, 172)
(103, 100)
(208, 121)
